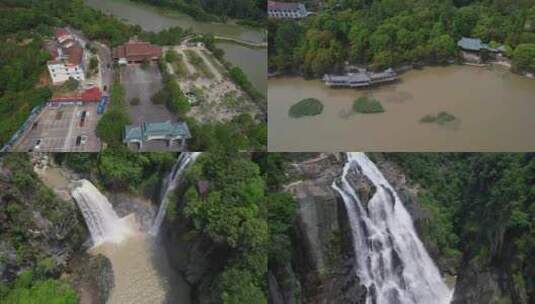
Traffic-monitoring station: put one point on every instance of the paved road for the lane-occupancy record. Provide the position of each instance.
(106, 63)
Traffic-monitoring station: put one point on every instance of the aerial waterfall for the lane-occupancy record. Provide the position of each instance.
(103, 223)
(391, 261)
(170, 184)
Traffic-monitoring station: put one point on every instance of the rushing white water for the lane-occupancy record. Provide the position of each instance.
(170, 183)
(391, 261)
(102, 221)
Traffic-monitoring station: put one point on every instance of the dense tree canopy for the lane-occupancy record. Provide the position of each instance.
(483, 206)
(232, 214)
(390, 33)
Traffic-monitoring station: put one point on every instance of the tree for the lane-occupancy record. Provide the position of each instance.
(71, 84)
(93, 64)
(524, 57)
(443, 48)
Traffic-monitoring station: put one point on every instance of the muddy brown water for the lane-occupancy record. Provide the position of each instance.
(142, 273)
(495, 111)
(156, 19)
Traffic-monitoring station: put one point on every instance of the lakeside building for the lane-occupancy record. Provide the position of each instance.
(472, 49)
(68, 58)
(149, 131)
(286, 10)
(136, 51)
(361, 79)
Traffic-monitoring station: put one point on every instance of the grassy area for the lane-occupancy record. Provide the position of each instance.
(441, 118)
(177, 61)
(367, 105)
(181, 71)
(306, 107)
(199, 63)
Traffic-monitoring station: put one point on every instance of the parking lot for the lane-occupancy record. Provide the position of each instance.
(67, 128)
(144, 83)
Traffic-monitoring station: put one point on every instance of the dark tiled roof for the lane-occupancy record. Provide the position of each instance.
(92, 94)
(136, 50)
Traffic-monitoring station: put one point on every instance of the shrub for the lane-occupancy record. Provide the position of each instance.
(366, 105)
(171, 56)
(306, 107)
(135, 101)
(441, 118)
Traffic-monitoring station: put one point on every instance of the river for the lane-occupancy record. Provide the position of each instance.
(252, 61)
(494, 108)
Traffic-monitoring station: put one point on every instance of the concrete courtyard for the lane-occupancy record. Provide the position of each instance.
(144, 83)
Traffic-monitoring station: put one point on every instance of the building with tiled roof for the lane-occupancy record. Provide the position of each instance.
(62, 35)
(136, 51)
(67, 58)
(90, 95)
(149, 131)
(286, 10)
(476, 45)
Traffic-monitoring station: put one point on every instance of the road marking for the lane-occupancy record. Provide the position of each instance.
(67, 143)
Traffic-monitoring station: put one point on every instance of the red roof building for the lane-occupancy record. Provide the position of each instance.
(136, 51)
(90, 95)
(63, 35)
(74, 54)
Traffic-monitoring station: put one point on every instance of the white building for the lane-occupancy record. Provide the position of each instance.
(68, 59)
(286, 10)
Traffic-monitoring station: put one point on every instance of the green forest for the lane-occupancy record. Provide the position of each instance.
(482, 210)
(390, 33)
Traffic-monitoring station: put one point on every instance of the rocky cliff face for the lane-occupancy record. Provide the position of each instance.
(324, 252)
(323, 270)
(38, 229)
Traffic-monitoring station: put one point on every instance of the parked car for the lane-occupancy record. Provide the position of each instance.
(37, 144)
(81, 140)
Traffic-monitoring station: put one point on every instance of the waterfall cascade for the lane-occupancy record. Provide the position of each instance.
(170, 184)
(391, 261)
(103, 223)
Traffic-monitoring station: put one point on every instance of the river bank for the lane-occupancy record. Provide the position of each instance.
(491, 106)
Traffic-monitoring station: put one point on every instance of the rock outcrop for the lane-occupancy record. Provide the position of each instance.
(324, 263)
